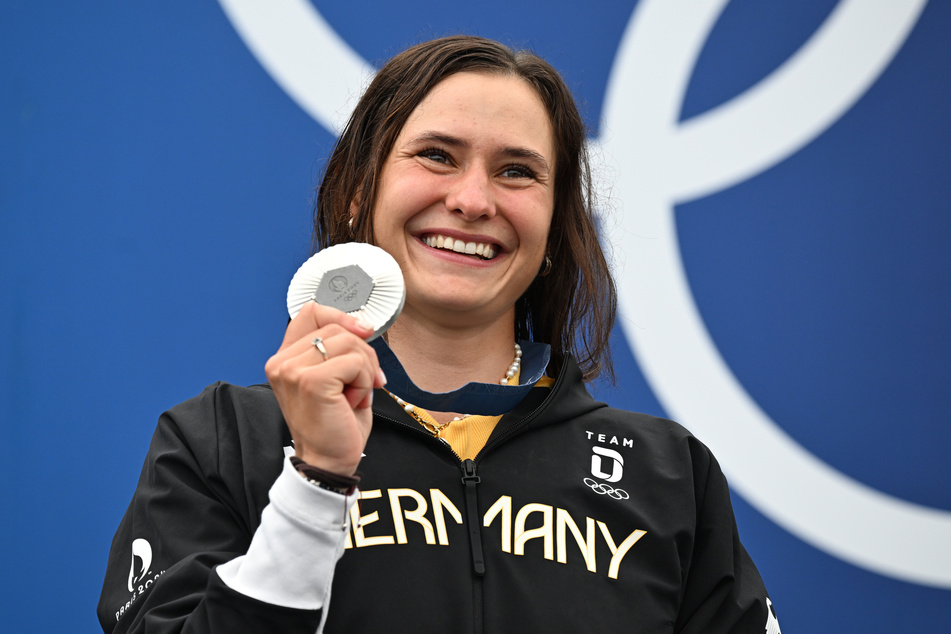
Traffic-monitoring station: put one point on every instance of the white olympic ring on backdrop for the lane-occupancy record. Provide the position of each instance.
(666, 162)
(606, 489)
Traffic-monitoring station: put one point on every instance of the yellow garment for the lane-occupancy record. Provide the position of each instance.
(468, 436)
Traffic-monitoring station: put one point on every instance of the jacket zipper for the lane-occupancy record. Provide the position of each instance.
(471, 479)
(470, 482)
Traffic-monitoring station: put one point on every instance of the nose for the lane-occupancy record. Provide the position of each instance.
(471, 194)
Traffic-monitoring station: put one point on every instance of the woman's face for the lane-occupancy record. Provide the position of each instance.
(466, 198)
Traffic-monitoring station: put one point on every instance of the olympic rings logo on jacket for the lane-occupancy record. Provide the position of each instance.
(606, 489)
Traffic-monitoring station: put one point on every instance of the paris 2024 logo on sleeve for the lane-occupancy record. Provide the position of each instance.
(665, 162)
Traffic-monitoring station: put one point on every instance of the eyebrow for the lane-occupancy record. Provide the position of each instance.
(456, 142)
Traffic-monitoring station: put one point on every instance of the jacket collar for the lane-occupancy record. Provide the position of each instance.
(485, 399)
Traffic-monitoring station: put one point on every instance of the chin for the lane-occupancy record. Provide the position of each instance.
(464, 305)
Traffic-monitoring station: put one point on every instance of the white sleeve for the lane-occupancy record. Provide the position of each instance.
(294, 551)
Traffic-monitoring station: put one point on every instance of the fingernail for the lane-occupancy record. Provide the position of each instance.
(365, 325)
(382, 376)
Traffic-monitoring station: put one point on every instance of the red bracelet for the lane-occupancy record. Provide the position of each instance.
(325, 479)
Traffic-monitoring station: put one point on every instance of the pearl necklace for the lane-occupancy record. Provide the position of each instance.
(435, 429)
(513, 369)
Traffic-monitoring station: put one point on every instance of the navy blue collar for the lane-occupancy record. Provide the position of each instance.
(485, 399)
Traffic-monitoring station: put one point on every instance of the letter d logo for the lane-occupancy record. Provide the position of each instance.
(617, 462)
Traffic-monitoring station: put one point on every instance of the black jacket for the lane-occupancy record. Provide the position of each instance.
(575, 517)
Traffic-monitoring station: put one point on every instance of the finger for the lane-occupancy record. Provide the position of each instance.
(305, 350)
(358, 389)
(313, 316)
(348, 376)
(318, 343)
(330, 341)
(301, 351)
(305, 344)
(359, 396)
(336, 342)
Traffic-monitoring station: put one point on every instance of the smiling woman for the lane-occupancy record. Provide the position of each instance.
(469, 168)
(465, 162)
(579, 279)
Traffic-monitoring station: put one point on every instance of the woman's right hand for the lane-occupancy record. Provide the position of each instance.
(326, 402)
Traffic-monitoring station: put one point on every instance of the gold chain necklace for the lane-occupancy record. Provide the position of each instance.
(436, 428)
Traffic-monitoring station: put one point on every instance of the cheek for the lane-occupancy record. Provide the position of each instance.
(533, 218)
(402, 200)
(538, 230)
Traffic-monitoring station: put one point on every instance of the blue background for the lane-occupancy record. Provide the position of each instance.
(155, 192)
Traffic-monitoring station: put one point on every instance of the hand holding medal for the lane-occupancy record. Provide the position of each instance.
(325, 371)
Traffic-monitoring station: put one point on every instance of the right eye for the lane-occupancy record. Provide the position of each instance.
(434, 154)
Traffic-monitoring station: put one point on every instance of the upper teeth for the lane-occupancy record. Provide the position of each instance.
(482, 249)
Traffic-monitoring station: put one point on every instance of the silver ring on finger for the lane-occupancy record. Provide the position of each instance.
(319, 344)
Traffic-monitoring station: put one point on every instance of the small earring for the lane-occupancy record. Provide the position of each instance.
(546, 267)
(350, 227)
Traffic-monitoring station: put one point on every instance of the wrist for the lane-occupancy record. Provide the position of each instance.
(326, 463)
(343, 484)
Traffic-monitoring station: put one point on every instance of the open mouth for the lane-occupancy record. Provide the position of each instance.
(483, 250)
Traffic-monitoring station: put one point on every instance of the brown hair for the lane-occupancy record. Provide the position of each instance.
(574, 306)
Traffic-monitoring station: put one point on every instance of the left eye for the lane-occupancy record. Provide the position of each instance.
(518, 171)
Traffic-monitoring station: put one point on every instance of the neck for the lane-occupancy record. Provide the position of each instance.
(441, 359)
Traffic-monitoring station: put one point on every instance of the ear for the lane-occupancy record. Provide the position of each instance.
(354, 213)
